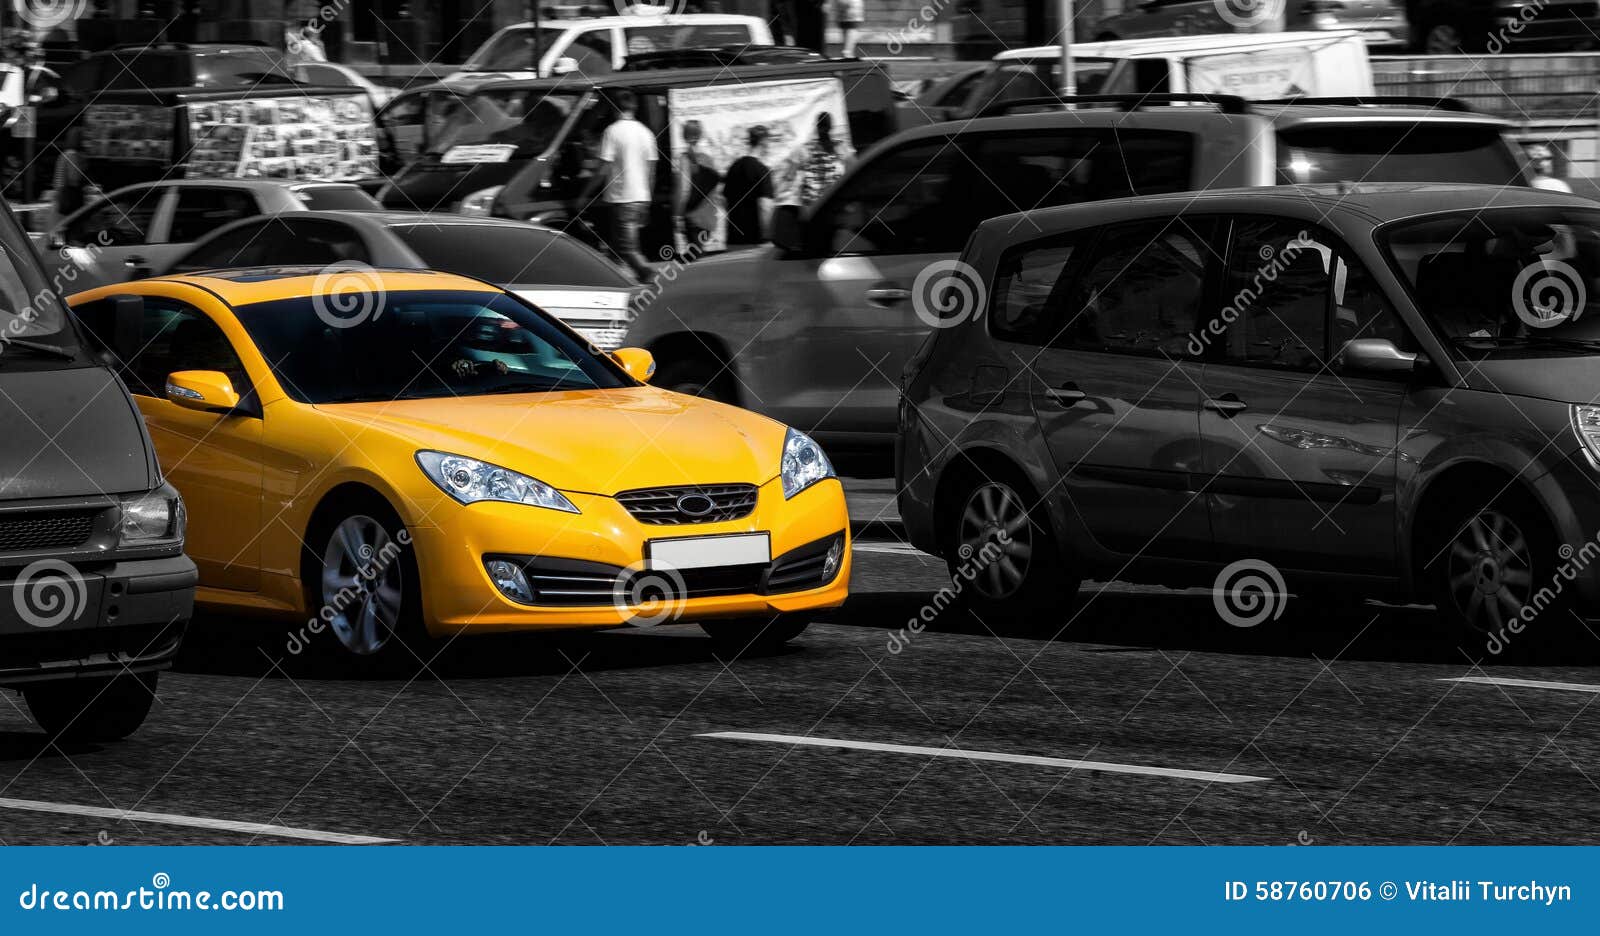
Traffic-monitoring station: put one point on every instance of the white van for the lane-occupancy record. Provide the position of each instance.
(1254, 66)
(597, 47)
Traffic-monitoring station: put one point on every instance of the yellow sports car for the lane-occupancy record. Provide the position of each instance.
(391, 456)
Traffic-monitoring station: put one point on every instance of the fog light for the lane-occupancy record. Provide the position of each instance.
(830, 562)
(509, 579)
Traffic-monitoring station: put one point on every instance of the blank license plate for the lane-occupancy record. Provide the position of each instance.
(700, 552)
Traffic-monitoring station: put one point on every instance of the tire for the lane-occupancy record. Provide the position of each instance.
(1002, 555)
(697, 376)
(364, 588)
(92, 709)
(1483, 567)
(746, 637)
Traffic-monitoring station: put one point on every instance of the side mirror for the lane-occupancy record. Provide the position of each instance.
(1378, 356)
(788, 234)
(202, 390)
(564, 66)
(639, 363)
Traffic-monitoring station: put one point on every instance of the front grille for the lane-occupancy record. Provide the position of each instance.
(666, 505)
(45, 529)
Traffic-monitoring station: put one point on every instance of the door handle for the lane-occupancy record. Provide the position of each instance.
(1226, 405)
(1066, 394)
(887, 295)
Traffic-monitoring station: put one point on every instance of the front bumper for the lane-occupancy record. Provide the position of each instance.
(604, 539)
(123, 617)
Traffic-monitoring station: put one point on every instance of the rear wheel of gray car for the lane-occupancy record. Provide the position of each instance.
(92, 709)
(1002, 557)
(1487, 568)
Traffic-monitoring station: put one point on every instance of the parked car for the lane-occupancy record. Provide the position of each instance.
(598, 46)
(413, 454)
(557, 273)
(1382, 22)
(1357, 389)
(1450, 27)
(815, 328)
(142, 227)
(97, 591)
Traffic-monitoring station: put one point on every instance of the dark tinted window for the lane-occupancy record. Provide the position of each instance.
(1041, 170)
(1028, 287)
(421, 344)
(1275, 298)
(141, 69)
(120, 221)
(173, 336)
(314, 241)
(336, 198)
(239, 68)
(202, 209)
(505, 255)
(241, 246)
(684, 36)
(1140, 292)
(1419, 152)
(902, 202)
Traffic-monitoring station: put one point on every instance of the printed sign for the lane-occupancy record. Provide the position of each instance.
(1268, 73)
(316, 138)
(479, 153)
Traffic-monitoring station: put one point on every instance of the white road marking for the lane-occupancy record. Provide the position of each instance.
(1525, 683)
(896, 549)
(199, 822)
(1206, 775)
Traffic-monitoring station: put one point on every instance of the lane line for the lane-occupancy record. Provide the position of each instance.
(198, 822)
(896, 549)
(1205, 775)
(1524, 683)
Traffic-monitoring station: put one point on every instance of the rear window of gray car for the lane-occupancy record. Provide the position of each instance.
(1401, 152)
(507, 255)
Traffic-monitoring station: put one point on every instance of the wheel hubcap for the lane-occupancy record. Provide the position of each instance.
(361, 584)
(1491, 571)
(995, 540)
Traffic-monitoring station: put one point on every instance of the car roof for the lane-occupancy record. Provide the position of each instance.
(659, 77)
(247, 285)
(1373, 203)
(392, 218)
(289, 185)
(1165, 45)
(1283, 114)
(643, 19)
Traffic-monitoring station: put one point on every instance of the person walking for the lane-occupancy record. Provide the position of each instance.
(747, 188)
(697, 179)
(823, 165)
(627, 169)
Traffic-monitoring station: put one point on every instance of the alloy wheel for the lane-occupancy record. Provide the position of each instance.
(361, 584)
(1490, 571)
(996, 539)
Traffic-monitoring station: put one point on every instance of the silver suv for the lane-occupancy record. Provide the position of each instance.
(815, 328)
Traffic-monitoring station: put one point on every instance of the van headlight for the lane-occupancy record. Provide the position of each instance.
(1586, 423)
(481, 202)
(152, 518)
(803, 464)
(469, 481)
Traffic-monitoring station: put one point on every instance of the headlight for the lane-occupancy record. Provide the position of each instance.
(469, 481)
(151, 518)
(480, 202)
(1586, 423)
(803, 463)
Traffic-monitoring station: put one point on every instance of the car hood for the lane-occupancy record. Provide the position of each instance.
(70, 433)
(592, 441)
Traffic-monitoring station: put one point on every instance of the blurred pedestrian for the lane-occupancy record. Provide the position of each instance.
(627, 169)
(697, 180)
(70, 183)
(823, 165)
(1542, 163)
(747, 188)
(302, 43)
(849, 14)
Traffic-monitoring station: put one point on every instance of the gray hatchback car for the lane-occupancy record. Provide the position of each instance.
(1364, 391)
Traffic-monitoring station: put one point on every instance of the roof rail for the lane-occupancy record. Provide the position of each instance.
(1407, 100)
(1226, 103)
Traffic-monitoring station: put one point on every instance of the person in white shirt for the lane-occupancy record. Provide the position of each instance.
(627, 170)
(1543, 163)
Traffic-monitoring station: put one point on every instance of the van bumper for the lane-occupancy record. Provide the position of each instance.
(125, 617)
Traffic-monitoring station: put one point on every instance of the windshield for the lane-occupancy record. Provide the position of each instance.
(419, 344)
(35, 332)
(336, 198)
(507, 255)
(513, 50)
(1505, 280)
(526, 121)
(1404, 152)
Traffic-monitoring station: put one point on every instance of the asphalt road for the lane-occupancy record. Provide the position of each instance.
(1338, 728)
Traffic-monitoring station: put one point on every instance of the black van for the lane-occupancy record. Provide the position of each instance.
(95, 591)
(553, 124)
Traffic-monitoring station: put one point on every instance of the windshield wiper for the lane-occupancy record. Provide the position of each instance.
(38, 347)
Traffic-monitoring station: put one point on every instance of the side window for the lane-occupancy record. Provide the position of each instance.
(1360, 309)
(899, 203)
(400, 131)
(592, 51)
(123, 219)
(1044, 170)
(241, 246)
(173, 336)
(315, 242)
(1140, 292)
(1027, 286)
(1276, 295)
(203, 209)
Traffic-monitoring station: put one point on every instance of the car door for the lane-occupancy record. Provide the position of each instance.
(833, 324)
(1115, 386)
(98, 244)
(1300, 454)
(213, 459)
